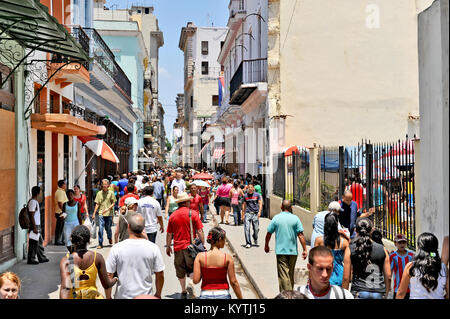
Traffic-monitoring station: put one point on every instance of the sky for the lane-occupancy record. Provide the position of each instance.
(172, 15)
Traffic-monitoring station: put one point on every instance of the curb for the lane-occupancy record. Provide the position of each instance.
(244, 268)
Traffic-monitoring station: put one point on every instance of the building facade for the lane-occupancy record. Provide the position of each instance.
(201, 47)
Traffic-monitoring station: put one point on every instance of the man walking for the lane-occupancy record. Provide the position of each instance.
(350, 213)
(252, 207)
(179, 229)
(135, 260)
(122, 184)
(179, 182)
(158, 189)
(287, 227)
(104, 203)
(60, 199)
(150, 209)
(35, 246)
(320, 267)
(196, 201)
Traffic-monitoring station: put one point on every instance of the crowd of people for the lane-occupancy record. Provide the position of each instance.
(347, 258)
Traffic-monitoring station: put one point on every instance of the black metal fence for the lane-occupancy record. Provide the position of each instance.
(329, 175)
(298, 185)
(279, 176)
(249, 71)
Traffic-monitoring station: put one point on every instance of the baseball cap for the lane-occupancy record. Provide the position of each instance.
(130, 201)
(400, 237)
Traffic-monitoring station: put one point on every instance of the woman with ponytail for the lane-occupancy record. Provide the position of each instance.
(214, 267)
(339, 245)
(426, 274)
(371, 270)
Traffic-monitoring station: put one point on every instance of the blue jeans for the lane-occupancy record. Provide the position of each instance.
(104, 222)
(251, 219)
(368, 295)
(205, 210)
(236, 214)
(218, 296)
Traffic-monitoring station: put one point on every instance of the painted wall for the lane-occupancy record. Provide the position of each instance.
(348, 67)
(434, 114)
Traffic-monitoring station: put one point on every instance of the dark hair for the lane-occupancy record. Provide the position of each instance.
(377, 237)
(80, 236)
(35, 191)
(363, 245)
(130, 187)
(61, 182)
(224, 180)
(236, 183)
(319, 250)
(70, 191)
(214, 235)
(427, 262)
(330, 230)
(291, 294)
(78, 186)
(148, 191)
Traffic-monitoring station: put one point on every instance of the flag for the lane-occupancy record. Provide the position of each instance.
(221, 86)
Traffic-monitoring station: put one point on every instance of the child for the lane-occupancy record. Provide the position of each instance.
(399, 259)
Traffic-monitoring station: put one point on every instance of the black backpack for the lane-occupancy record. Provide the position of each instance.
(24, 217)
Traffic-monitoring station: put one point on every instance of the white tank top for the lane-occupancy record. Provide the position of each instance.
(420, 292)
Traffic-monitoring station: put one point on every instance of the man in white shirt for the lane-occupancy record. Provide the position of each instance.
(180, 183)
(150, 209)
(135, 260)
(320, 267)
(35, 246)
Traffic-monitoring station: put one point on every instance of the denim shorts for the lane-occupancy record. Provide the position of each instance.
(367, 295)
(215, 294)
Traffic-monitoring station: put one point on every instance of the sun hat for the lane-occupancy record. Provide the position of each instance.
(130, 201)
(400, 237)
(183, 197)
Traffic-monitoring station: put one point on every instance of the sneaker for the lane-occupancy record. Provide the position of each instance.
(44, 260)
(99, 247)
(32, 262)
(184, 295)
(248, 246)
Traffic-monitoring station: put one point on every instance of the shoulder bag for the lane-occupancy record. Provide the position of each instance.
(196, 245)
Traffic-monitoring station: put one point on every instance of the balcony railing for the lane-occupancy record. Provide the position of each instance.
(249, 71)
(101, 53)
(236, 6)
(82, 38)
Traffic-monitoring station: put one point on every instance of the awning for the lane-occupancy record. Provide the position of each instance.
(204, 147)
(29, 23)
(65, 124)
(117, 125)
(218, 152)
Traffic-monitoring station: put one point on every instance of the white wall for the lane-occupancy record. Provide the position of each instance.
(434, 123)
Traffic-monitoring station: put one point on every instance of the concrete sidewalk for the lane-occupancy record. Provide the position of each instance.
(259, 266)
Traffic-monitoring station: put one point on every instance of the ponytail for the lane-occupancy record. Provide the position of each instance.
(363, 245)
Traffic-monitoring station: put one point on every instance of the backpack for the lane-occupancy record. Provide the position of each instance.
(24, 217)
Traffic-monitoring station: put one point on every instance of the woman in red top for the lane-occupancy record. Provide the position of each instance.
(80, 198)
(196, 201)
(214, 268)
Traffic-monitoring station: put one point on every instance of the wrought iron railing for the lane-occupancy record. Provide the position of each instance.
(279, 176)
(101, 53)
(249, 71)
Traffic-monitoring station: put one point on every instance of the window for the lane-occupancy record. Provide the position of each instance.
(221, 44)
(147, 10)
(7, 98)
(54, 102)
(205, 68)
(205, 47)
(215, 100)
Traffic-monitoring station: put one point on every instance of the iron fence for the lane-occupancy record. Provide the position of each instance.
(279, 176)
(298, 184)
(329, 175)
(249, 71)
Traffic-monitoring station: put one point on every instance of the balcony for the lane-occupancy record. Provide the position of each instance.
(103, 56)
(73, 72)
(246, 80)
(236, 7)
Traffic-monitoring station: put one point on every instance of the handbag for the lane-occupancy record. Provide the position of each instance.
(196, 245)
(93, 229)
(88, 224)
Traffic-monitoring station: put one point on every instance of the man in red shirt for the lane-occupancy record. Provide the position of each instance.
(196, 201)
(179, 229)
(128, 194)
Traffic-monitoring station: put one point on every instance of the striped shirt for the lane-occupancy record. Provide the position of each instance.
(398, 264)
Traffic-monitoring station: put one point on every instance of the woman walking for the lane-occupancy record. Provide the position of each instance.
(371, 270)
(340, 247)
(223, 193)
(214, 200)
(205, 195)
(214, 268)
(87, 265)
(426, 275)
(81, 199)
(171, 204)
(72, 212)
(236, 193)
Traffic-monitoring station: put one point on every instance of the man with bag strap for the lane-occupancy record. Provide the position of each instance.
(179, 228)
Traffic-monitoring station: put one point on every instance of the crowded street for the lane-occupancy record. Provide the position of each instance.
(239, 151)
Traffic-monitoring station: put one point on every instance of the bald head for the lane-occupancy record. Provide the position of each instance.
(347, 197)
(136, 224)
(286, 206)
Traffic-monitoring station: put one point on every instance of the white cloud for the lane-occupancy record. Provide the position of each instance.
(164, 73)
